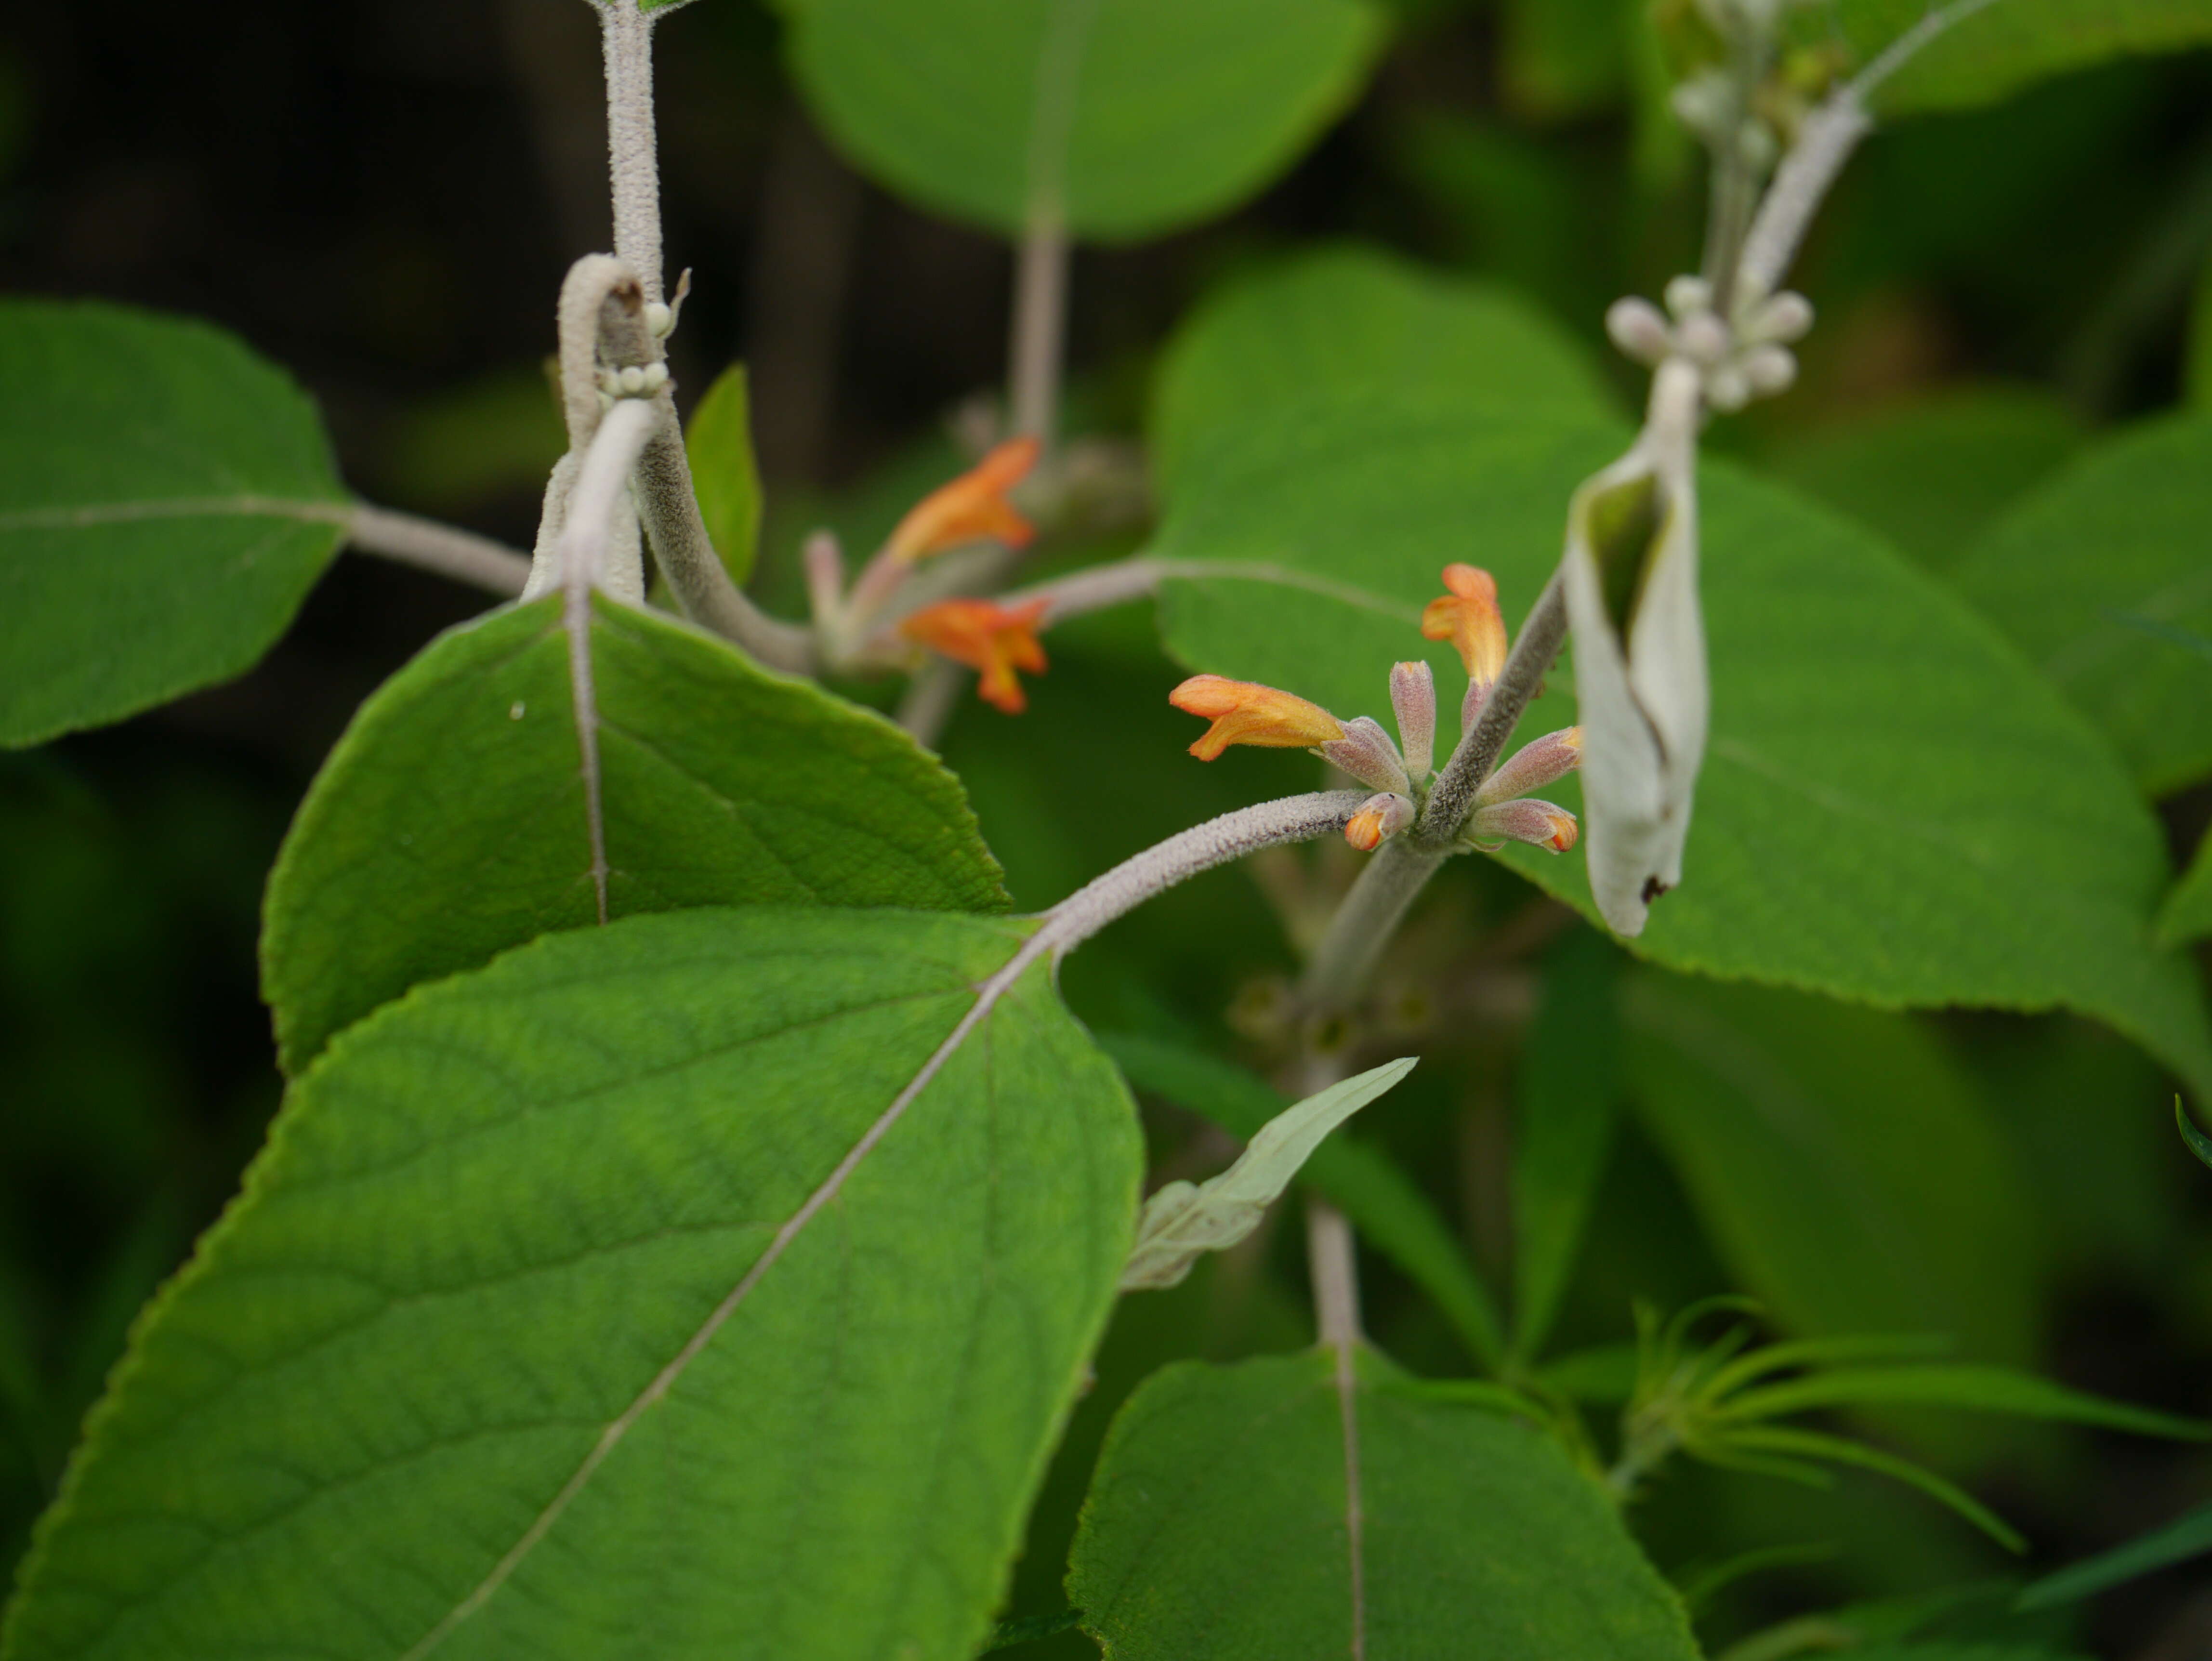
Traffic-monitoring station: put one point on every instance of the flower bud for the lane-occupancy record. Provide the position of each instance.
(1550, 758)
(1637, 327)
(1783, 318)
(1687, 294)
(1413, 701)
(1379, 817)
(1542, 824)
(1366, 753)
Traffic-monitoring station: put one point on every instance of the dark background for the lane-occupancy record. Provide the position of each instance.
(383, 195)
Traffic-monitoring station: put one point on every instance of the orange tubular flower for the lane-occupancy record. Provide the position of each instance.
(972, 508)
(1469, 619)
(1243, 712)
(992, 639)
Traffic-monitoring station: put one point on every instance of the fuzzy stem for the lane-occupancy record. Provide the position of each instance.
(1184, 856)
(450, 551)
(1824, 143)
(1451, 798)
(930, 701)
(1364, 921)
(686, 554)
(1039, 330)
(633, 169)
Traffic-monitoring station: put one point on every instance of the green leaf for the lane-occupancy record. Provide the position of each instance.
(1391, 1212)
(452, 820)
(1566, 1102)
(1956, 836)
(2000, 49)
(1184, 1221)
(1125, 119)
(1847, 1172)
(1788, 1443)
(2188, 910)
(1341, 320)
(2198, 1143)
(2186, 1536)
(1217, 1526)
(719, 440)
(1984, 1389)
(167, 500)
(1931, 475)
(2118, 535)
(1567, 57)
(647, 1287)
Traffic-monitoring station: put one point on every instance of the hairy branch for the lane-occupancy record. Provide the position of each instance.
(1451, 798)
(450, 551)
(1181, 857)
(633, 167)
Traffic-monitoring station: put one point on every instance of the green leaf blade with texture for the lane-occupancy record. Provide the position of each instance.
(1849, 1175)
(2090, 574)
(451, 822)
(1343, 318)
(1958, 836)
(167, 500)
(1217, 1527)
(831, 1340)
(1117, 119)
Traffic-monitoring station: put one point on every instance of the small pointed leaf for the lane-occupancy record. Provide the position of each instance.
(1184, 1219)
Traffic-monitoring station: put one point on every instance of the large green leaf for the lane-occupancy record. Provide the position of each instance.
(2120, 539)
(167, 500)
(1219, 1526)
(1894, 807)
(1343, 318)
(1999, 49)
(452, 820)
(1127, 118)
(1565, 1101)
(2188, 912)
(1931, 475)
(1845, 1170)
(643, 1293)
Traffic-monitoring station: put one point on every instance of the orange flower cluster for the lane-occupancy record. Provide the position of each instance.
(1466, 615)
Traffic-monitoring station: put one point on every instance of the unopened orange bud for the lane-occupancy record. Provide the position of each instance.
(972, 508)
(1542, 824)
(1467, 616)
(1243, 712)
(1379, 817)
(992, 639)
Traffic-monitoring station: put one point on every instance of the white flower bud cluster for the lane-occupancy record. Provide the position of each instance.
(1736, 363)
(638, 381)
